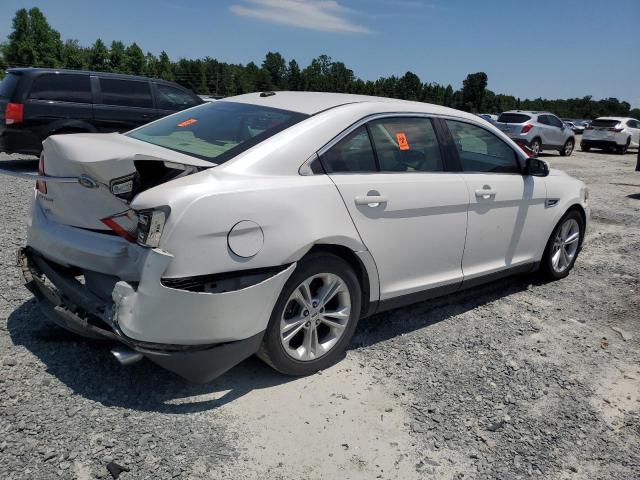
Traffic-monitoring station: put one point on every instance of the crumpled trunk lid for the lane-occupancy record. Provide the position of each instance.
(100, 160)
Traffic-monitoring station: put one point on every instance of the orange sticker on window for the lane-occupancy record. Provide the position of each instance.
(403, 143)
(186, 123)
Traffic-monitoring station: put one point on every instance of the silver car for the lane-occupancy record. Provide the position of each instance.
(537, 130)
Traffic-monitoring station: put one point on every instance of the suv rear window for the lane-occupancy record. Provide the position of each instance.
(217, 131)
(513, 118)
(125, 93)
(61, 87)
(7, 85)
(604, 123)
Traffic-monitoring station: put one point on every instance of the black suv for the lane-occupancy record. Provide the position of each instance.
(38, 102)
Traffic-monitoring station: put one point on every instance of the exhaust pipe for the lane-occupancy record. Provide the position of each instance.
(126, 356)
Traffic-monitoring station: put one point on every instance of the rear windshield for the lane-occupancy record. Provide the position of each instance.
(217, 131)
(605, 123)
(513, 118)
(7, 84)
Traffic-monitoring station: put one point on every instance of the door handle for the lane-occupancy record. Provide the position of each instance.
(486, 193)
(370, 200)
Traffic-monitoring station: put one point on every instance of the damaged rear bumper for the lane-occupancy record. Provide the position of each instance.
(212, 331)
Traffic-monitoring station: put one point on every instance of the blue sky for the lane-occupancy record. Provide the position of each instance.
(547, 48)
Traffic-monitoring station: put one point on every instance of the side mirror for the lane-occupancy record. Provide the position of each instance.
(536, 167)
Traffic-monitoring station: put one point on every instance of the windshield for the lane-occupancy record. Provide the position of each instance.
(7, 85)
(217, 131)
(513, 118)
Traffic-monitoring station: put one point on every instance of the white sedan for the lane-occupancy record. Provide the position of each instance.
(270, 223)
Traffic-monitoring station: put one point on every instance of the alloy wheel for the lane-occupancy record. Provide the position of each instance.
(535, 147)
(568, 147)
(565, 245)
(315, 317)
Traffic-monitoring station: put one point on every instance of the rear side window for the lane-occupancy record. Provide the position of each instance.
(61, 87)
(604, 123)
(8, 84)
(513, 118)
(406, 145)
(353, 153)
(171, 98)
(125, 93)
(481, 151)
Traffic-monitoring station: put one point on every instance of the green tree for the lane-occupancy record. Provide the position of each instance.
(275, 64)
(118, 57)
(473, 91)
(294, 76)
(165, 70)
(409, 87)
(135, 59)
(99, 56)
(73, 55)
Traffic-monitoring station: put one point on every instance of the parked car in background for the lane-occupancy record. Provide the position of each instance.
(271, 223)
(38, 102)
(537, 130)
(489, 117)
(612, 133)
(575, 125)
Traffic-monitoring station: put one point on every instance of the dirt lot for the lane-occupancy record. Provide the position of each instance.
(517, 379)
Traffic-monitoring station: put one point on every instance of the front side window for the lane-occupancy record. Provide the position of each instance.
(60, 87)
(125, 93)
(555, 121)
(171, 98)
(217, 131)
(405, 144)
(481, 151)
(351, 154)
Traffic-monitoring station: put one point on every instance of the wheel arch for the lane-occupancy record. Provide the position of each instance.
(363, 273)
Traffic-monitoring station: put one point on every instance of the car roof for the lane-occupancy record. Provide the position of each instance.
(312, 103)
(34, 70)
(619, 119)
(532, 112)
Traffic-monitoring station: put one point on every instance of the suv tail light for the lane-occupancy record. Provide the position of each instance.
(13, 113)
(526, 128)
(41, 185)
(616, 129)
(124, 224)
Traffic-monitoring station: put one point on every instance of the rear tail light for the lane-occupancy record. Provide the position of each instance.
(150, 226)
(616, 129)
(124, 224)
(526, 128)
(41, 185)
(13, 113)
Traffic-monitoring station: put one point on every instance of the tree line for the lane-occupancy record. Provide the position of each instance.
(33, 42)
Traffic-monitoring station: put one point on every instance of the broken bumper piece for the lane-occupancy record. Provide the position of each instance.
(231, 324)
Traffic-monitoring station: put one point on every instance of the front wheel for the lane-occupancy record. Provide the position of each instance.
(567, 150)
(563, 247)
(314, 318)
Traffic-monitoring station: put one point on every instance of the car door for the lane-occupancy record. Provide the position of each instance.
(410, 211)
(557, 130)
(546, 131)
(634, 128)
(123, 104)
(507, 217)
(170, 99)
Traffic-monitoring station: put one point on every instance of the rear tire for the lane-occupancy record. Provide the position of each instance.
(567, 149)
(585, 147)
(306, 334)
(622, 149)
(563, 246)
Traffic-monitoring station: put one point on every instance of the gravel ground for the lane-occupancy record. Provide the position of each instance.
(516, 379)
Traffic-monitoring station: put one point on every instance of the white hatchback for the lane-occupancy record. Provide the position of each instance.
(611, 133)
(271, 223)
